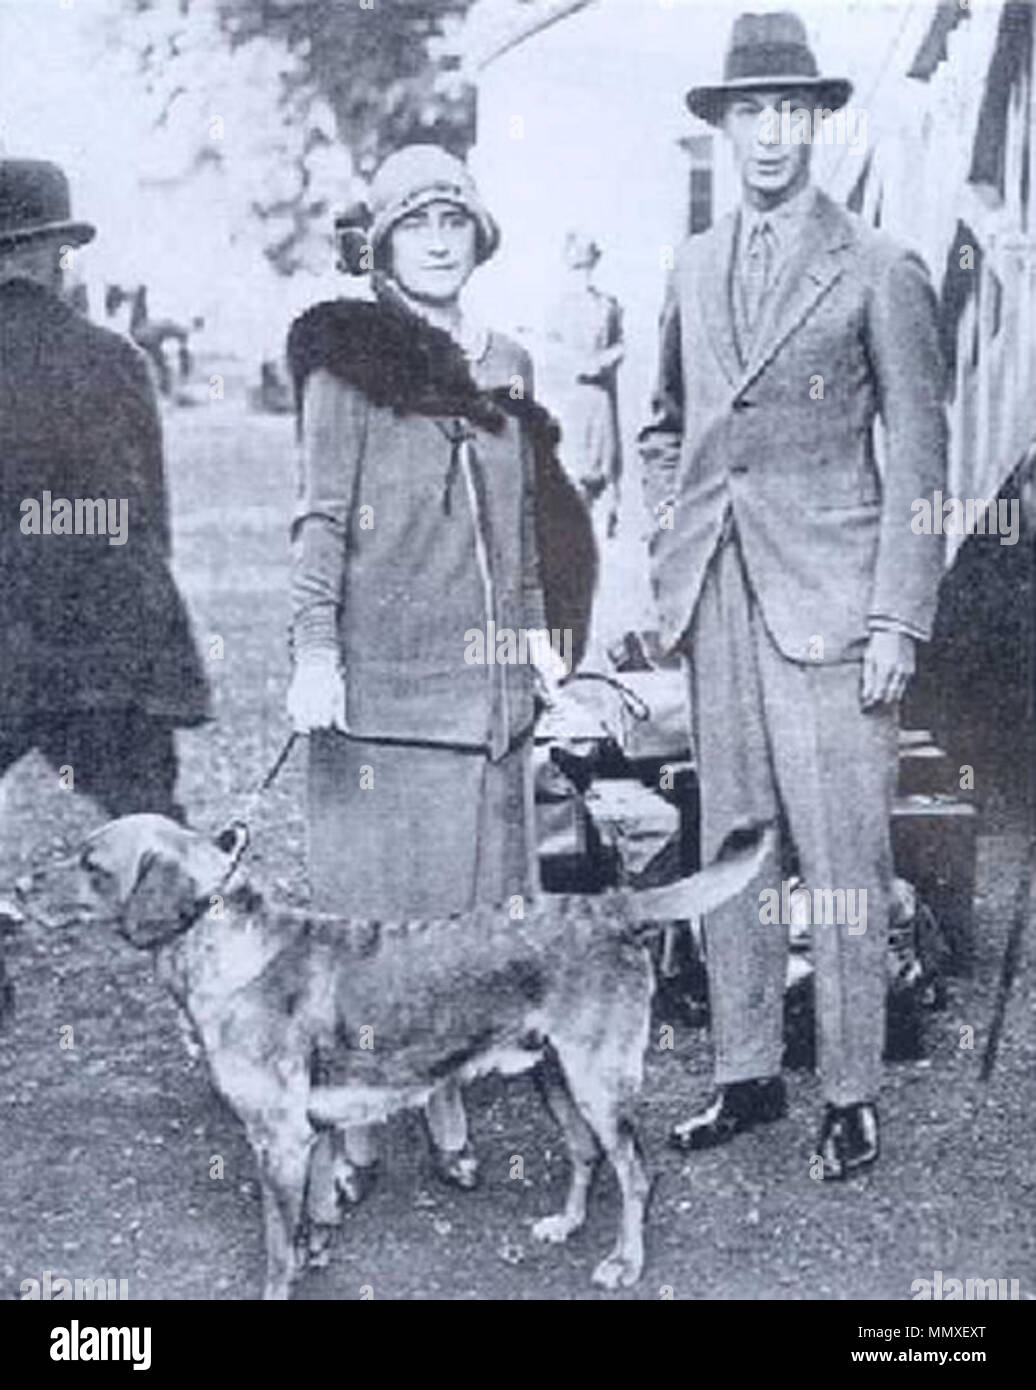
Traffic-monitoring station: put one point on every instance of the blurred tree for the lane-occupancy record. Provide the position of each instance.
(371, 64)
(367, 74)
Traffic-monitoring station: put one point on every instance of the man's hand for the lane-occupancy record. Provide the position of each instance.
(316, 696)
(888, 664)
(551, 670)
(612, 501)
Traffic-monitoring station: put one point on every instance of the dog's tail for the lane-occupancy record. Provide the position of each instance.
(741, 859)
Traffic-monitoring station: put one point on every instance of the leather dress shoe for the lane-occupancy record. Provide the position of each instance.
(732, 1109)
(848, 1140)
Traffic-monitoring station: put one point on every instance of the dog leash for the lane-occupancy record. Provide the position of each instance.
(239, 826)
(635, 705)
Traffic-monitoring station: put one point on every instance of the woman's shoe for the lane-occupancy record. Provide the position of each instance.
(849, 1140)
(460, 1168)
(354, 1181)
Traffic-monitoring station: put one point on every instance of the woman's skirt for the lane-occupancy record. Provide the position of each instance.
(417, 831)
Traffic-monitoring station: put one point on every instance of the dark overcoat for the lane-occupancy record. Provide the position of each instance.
(85, 624)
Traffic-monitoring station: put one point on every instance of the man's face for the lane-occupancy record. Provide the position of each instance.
(434, 251)
(771, 167)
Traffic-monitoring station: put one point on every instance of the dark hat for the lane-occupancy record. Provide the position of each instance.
(34, 202)
(768, 50)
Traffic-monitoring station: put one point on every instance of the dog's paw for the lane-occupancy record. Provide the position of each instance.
(552, 1230)
(317, 1250)
(460, 1169)
(619, 1270)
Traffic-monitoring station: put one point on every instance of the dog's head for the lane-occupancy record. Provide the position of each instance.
(149, 876)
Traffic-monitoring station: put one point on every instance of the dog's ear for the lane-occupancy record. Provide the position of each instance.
(162, 897)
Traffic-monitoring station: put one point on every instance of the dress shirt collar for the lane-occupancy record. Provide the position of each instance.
(784, 219)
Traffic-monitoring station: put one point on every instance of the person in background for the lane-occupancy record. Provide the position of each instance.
(98, 665)
(584, 351)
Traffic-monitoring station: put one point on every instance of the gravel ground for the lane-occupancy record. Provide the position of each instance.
(105, 1149)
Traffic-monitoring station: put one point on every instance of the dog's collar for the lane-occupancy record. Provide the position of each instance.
(184, 923)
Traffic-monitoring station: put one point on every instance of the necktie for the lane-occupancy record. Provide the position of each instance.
(757, 271)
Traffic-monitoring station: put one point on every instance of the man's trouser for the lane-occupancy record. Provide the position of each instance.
(773, 738)
(123, 758)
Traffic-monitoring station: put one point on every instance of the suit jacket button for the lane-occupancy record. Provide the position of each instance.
(742, 404)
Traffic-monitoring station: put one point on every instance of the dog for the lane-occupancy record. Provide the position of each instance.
(311, 1023)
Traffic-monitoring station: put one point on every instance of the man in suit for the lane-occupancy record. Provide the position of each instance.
(97, 661)
(785, 568)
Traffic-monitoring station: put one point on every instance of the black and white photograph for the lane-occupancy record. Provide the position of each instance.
(518, 665)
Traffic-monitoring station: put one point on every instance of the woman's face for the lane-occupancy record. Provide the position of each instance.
(433, 251)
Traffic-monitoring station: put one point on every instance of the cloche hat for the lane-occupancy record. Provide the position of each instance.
(417, 175)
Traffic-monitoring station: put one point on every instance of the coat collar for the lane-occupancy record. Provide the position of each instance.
(809, 272)
(714, 295)
(396, 358)
(22, 294)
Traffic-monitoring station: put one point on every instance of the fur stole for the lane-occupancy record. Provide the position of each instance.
(399, 361)
(394, 357)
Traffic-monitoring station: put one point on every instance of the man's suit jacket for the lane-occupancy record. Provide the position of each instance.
(826, 538)
(85, 625)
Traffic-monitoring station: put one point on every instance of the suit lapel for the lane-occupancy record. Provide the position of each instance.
(713, 286)
(812, 269)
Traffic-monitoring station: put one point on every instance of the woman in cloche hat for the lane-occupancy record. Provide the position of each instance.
(432, 520)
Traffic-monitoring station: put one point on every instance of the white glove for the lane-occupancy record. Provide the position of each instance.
(316, 696)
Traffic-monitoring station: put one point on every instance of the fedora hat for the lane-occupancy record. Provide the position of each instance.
(34, 202)
(768, 50)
